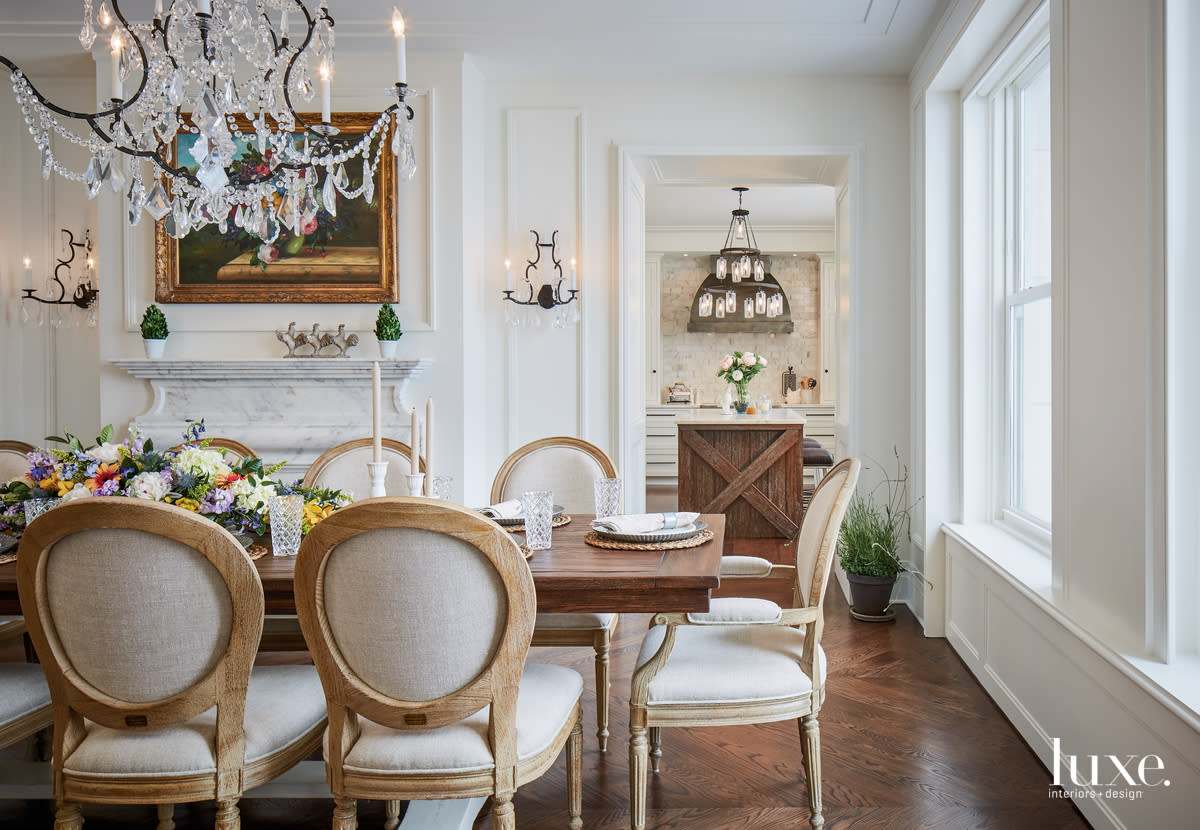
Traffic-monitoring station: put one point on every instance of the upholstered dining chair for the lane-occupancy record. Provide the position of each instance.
(418, 614)
(344, 467)
(13, 463)
(745, 660)
(146, 619)
(24, 702)
(568, 467)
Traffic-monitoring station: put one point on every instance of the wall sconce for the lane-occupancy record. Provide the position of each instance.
(84, 293)
(548, 294)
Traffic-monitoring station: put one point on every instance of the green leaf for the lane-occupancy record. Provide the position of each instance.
(105, 435)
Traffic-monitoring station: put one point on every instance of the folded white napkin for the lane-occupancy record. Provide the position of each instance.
(510, 509)
(644, 522)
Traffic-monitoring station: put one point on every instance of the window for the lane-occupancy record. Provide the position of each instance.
(1026, 194)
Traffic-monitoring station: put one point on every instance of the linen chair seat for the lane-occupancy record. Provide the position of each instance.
(745, 566)
(747, 663)
(24, 701)
(284, 707)
(591, 622)
(545, 704)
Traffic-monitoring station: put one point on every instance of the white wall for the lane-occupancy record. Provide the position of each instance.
(1071, 651)
(868, 117)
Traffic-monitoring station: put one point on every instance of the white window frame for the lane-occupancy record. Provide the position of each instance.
(1021, 58)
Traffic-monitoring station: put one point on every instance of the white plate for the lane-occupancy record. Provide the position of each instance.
(672, 534)
(519, 520)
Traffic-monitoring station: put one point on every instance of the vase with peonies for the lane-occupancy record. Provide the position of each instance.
(739, 369)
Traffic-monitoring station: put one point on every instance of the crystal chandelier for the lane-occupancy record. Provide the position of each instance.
(740, 256)
(237, 65)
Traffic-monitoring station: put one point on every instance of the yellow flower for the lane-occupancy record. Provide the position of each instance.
(65, 487)
(51, 484)
(188, 504)
(104, 473)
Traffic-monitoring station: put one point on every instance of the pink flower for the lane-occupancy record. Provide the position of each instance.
(762, 361)
(268, 252)
(748, 359)
(726, 363)
(308, 226)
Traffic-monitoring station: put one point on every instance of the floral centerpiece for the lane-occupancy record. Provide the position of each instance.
(739, 368)
(193, 476)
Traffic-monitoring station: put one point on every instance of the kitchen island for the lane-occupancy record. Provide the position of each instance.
(749, 467)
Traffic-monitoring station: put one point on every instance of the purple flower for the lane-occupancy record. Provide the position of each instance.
(109, 488)
(41, 465)
(216, 501)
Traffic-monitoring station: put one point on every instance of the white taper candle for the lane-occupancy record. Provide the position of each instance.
(376, 414)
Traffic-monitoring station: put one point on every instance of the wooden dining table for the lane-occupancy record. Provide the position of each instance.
(571, 576)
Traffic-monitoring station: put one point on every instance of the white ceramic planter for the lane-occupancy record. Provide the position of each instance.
(154, 348)
(387, 349)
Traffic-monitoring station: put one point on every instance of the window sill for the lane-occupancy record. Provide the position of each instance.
(1176, 685)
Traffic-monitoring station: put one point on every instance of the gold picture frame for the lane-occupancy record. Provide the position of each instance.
(209, 267)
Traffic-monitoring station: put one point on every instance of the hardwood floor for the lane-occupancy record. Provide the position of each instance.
(908, 740)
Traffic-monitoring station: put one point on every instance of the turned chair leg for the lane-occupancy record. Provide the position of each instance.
(575, 776)
(345, 813)
(602, 646)
(68, 816)
(655, 747)
(503, 815)
(638, 755)
(166, 817)
(391, 815)
(810, 744)
(228, 817)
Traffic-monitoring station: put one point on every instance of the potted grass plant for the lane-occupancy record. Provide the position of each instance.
(154, 332)
(869, 543)
(387, 331)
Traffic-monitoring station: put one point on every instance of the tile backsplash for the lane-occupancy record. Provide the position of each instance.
(693, 357)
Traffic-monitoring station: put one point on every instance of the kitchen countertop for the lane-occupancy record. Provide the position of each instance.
(776, 417)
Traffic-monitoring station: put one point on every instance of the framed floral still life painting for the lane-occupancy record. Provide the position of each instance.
(314, 256)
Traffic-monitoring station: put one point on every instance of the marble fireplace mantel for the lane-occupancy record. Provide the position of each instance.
(285, 409)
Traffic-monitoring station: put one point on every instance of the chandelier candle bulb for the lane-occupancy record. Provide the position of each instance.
(325, 91)
(376, 414)
(398, 29)
(115, 53)
(414, 444)
(283, 21)
(429, 445)
(158, 9)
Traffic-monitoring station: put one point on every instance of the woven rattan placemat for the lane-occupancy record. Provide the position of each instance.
(597, 541)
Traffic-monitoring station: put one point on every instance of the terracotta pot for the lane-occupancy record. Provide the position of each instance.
(870, 595)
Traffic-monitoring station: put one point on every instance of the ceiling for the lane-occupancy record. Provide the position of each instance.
(615, 40)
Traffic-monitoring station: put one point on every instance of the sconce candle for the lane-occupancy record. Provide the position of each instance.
(28, 273)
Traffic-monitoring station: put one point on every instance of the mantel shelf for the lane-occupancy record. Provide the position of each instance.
(300, 369)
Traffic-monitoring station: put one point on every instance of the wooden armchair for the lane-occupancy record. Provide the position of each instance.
(418, 615)
(745, 660)
(567, 466)
(13, 463)
(146, 619)
(344, 467)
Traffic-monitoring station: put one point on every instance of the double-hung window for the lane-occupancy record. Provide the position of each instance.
(1025, 487)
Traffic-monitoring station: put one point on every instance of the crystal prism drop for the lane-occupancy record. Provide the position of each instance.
(368, 191)
(198, 216)
(157, 204)
(329, 195)
(287, 212)
(87, 35)
(180, 214)
(200, 148)
(93, 177)
(206, 114)
(342, 179)
(408, 162)
(239, 216)
(396, 136)
(115, 176)
(134, 201)
(47, 162)
(212, 176)
(176, 89)
(270, 228)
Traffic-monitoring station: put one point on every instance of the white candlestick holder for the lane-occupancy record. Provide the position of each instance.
(416, 484)
(377, 470)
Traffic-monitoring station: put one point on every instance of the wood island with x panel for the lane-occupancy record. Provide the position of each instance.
(749, 467)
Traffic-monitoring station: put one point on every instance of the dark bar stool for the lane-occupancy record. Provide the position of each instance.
(819, 460)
